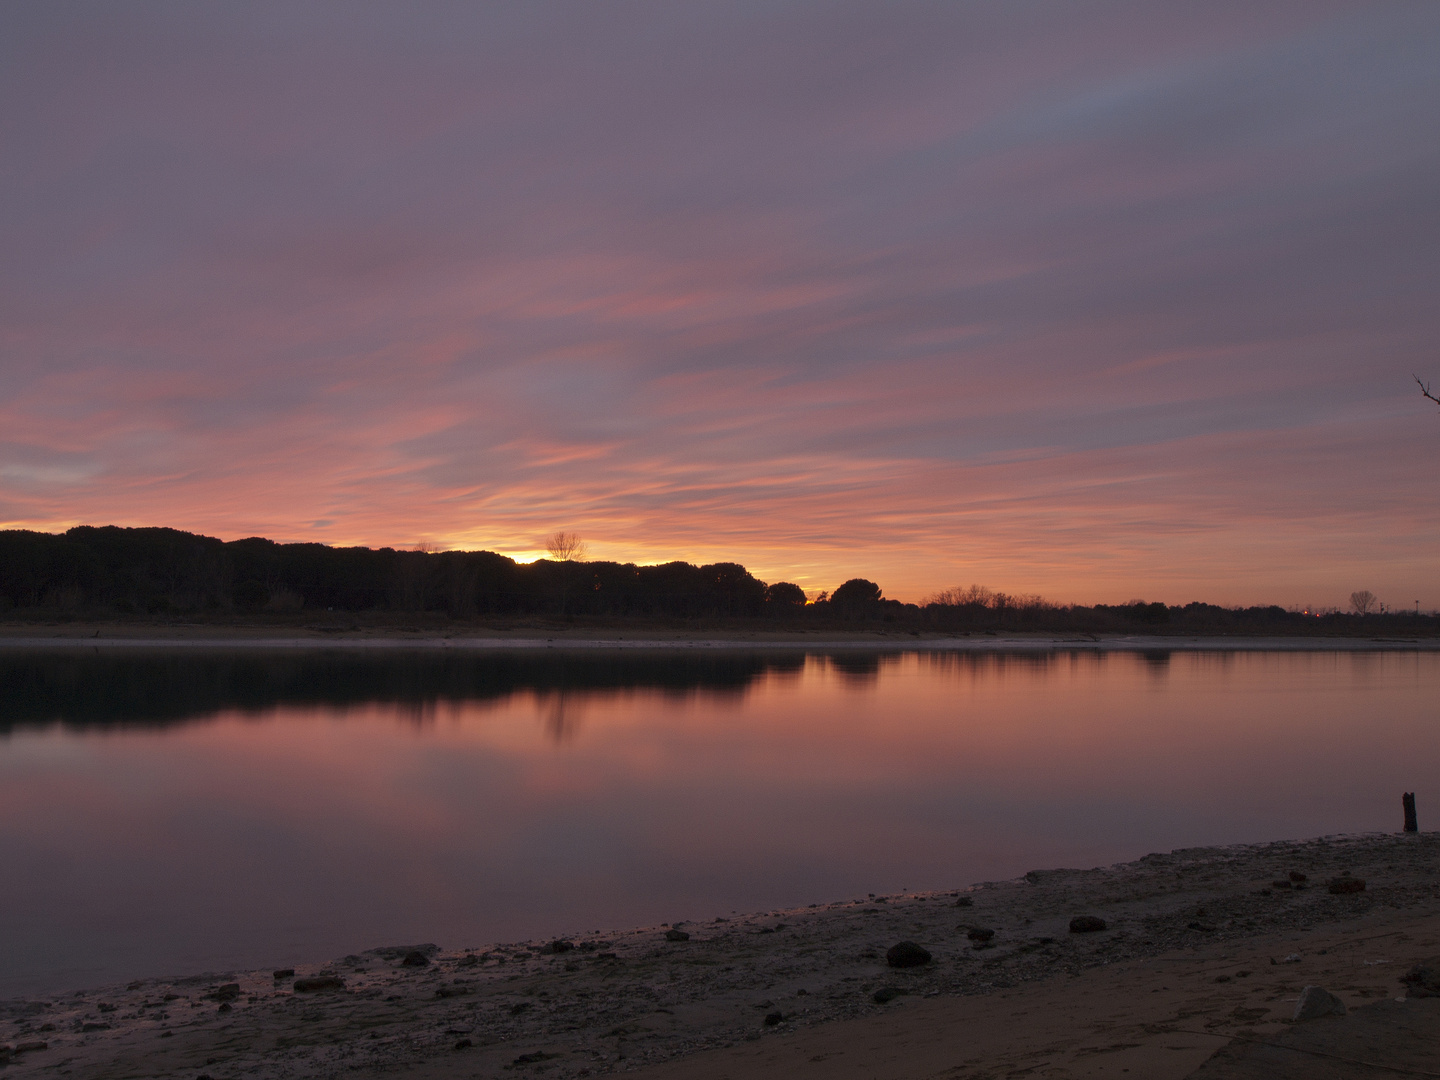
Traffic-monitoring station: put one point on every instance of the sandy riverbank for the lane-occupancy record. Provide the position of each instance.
(1184, 965)
(131, 636)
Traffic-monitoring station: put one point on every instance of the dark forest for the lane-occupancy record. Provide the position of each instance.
(157, 574)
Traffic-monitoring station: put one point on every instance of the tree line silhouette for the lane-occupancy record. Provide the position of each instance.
(157, 572)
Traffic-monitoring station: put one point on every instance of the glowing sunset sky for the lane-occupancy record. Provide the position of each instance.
(1096, 300)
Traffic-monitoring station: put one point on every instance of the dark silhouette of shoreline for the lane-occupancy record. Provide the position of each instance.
(158, 576)
(160, 689)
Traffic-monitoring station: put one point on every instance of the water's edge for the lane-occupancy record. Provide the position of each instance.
(905, 644)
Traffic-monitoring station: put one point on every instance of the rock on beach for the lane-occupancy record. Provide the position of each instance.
(1422, 982)
(906, 954)
(1315, 1003)
(319, 982)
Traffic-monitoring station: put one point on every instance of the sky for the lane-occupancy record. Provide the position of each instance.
(1094, 300)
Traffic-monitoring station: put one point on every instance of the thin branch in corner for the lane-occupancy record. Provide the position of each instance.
(1425, 389)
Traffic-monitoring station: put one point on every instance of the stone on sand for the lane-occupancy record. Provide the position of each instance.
(1087, 924)
(906, 954)
(1315, 1003)
(1421, 981)
(319, 982)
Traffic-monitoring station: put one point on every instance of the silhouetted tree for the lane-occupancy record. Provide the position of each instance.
(857, 598)
(978, 595)
(1363, 601)
(414, 574)
(732, 589)
(566, 549)
(783, 598)
(1140, 611)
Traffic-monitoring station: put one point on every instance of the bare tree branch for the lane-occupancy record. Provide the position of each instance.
(1425, 389)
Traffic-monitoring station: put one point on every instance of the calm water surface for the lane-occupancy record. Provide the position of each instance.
(162, 814)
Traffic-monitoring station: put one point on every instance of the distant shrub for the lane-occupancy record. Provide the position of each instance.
(251, 595)
(65, 597)
(1152, 614)
(283, 599)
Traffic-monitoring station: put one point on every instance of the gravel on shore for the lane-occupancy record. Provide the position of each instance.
(601, 1003)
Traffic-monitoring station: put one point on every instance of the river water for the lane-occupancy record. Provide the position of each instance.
(165, 813)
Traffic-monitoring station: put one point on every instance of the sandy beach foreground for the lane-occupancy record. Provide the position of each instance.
(1202, 949)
